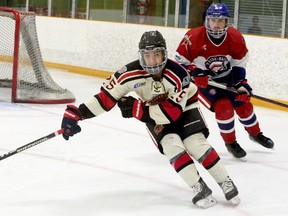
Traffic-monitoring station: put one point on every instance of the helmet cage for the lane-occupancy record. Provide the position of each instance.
(217, 11)
(219, 33)
(153, 69)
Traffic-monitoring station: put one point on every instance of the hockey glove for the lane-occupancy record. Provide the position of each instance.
(70, 121)
(244, 90)
(199, 76)
(131, 107)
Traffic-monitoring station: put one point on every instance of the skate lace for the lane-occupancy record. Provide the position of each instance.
(197, 188)
(227, 186)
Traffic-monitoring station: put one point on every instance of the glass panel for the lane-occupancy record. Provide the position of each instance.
(286, 24)
(40, 7)
(61, 8)
(106, 10)
(81, 9)
(16, 4)
(197, 12)
(231, 5)
(149, 12)
(261, 17)
(255, 17)
(171, 13)
(3, 3)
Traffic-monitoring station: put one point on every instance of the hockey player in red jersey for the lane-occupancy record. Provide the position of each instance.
(218, 53)
(168, 105)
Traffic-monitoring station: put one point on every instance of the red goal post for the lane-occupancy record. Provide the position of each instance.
(21, 65)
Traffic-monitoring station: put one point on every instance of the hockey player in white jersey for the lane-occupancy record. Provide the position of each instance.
(169, 107)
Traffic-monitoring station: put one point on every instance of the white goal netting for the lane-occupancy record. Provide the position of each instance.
(21, 63)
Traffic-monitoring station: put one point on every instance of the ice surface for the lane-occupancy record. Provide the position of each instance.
(113, 168)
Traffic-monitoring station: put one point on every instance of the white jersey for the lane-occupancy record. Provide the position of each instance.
(175, 83)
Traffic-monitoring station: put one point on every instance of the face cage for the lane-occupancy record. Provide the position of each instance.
(155, 69)
(219, 33)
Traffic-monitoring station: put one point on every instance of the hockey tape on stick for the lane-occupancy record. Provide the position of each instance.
(218, 85)
(31, 144)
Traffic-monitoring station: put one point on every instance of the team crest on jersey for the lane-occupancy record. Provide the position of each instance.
(122, 70)
(137, 85)
(217, 64)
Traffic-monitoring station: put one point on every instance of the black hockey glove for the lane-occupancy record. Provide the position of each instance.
(244, 89)
(70, 121)
(131, 107)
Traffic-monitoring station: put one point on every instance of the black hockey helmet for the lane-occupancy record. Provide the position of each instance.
(152, 39)
(152, 43)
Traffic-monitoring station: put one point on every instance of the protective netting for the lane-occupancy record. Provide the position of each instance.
(25, 72)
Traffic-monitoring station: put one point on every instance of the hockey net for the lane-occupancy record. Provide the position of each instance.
(21, 64)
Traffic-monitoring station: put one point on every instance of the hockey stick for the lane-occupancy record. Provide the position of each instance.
(31, 144)
(231, 89)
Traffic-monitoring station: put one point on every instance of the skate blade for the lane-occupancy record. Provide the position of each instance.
(207, 202)
(244, 159)
(271, 148)
(235, 200)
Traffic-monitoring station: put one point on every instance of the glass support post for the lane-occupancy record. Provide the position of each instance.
(187, 13)
(73, 9)
(176, 20)
(166, 13)
(236, 14)
(49, 7)
(27, 6)
(125, 10)
(87, 9)
(284, 20)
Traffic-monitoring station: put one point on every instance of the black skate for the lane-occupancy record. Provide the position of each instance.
(262, 140)
(236, 150)
(230, 191)
(203, 197)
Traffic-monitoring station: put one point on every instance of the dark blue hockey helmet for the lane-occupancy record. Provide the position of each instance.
(217, 11)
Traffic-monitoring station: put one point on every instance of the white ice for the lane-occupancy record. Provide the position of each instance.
(113, 168)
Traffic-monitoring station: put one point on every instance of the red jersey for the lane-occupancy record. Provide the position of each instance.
(217, 56)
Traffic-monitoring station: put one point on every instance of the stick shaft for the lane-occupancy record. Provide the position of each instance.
(31, 144)
(270, 101)
(218, 85)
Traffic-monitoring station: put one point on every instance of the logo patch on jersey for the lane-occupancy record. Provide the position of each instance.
(157, 88)
(122, 70)
(204, 47)
(212, 91)
(186, 41)
(217, 64)
(178, 58)
(137, 85)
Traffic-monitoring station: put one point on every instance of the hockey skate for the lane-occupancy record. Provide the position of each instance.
(203, 197)
(230, 191)
(236, 150)
(262, 140)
